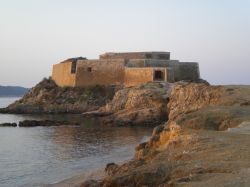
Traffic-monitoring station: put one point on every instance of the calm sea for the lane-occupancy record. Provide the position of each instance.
(44, 155)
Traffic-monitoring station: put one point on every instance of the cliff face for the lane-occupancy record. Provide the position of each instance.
(141, 105)
(47, 97)
(188, 150)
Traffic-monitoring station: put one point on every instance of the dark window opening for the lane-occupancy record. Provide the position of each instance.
(148, 56)
(73, 66)
(89, 69)
(159, 76)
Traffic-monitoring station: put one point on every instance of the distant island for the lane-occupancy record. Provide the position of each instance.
(12, 91)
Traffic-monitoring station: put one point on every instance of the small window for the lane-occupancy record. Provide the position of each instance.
(89, 69)
(73, 66)
(148, 56)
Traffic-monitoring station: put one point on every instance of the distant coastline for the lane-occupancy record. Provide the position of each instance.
(12, 91)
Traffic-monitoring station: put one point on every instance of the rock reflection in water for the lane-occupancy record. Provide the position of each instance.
(91, 140)
(44, 155)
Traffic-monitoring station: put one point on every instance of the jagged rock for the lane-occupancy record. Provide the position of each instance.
(141, 146)
(111, 168)
(158, 129)
(141, 105)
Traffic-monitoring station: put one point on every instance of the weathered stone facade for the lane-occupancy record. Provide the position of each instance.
(128, 69)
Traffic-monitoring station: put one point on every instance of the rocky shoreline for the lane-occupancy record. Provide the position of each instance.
(190, 145)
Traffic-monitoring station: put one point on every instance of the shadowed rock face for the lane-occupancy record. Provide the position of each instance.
(189, 150)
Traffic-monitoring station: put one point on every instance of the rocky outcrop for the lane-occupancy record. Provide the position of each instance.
(180, 154)
(44, 123)
(188, 158)
(47, 97)
(36, 123)
(189, 97)
(141, 105)
(8, 125)
(200, 106)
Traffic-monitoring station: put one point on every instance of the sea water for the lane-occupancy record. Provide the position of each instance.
(36, 156)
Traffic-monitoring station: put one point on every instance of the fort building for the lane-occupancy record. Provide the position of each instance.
(128, 69)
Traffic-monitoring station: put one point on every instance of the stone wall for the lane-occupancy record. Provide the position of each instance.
(62, 76)
(122, 56)
(190, 71)
(151, 63)
(135, 76)
(136, 55)
(170, 75)
(99, 72)
(160, 63)
(136, 63)
(115, 69)
(187, 71)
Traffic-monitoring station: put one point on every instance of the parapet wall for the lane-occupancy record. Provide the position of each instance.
(122, 56)
(136, 55)
(160, 63)
(62, 76)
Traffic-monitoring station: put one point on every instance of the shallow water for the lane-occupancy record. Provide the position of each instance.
(44, 155)
(243, 128)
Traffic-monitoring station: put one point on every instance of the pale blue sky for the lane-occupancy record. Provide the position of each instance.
(34, 34)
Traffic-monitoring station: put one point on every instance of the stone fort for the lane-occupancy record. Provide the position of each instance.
(128, 69)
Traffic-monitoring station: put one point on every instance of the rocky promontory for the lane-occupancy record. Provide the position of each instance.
(47, 97)
(196, 146)
(201, 137)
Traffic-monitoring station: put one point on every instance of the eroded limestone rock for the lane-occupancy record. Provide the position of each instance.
(183, 152)
(141, 105)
